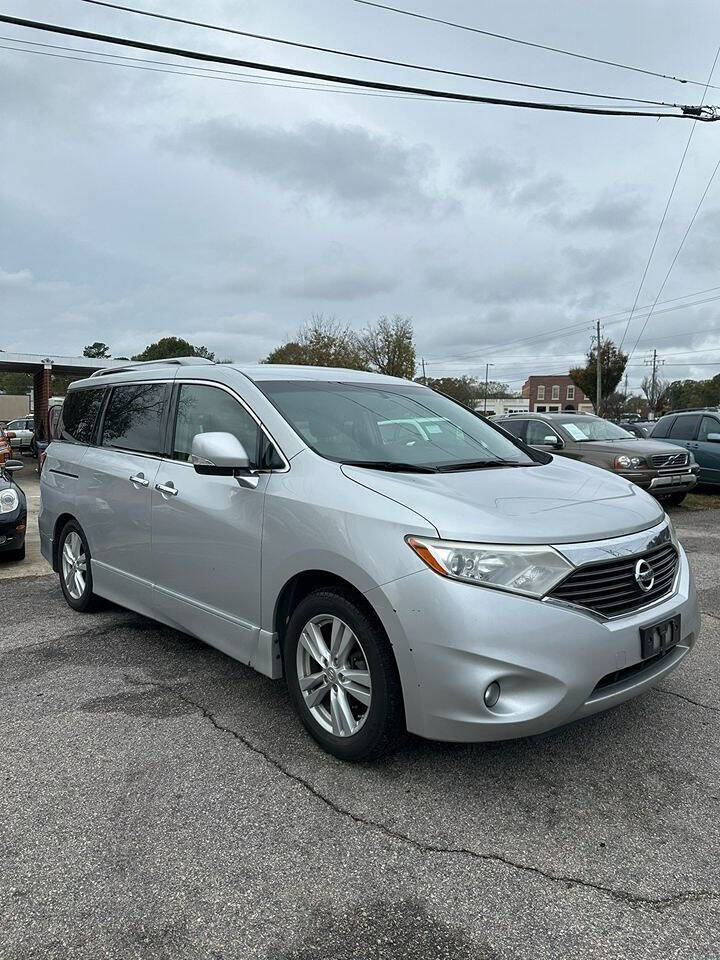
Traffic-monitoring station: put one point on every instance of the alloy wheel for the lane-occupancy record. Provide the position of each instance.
(334, 675)
(74, 565)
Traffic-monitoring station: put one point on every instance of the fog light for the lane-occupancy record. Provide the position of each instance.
(492, 694)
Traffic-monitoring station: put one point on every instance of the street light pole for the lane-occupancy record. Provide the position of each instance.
(487, 370)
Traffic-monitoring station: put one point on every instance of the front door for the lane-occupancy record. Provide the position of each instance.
(207, 530)
(706, 451)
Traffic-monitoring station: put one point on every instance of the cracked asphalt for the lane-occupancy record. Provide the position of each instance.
(159, 800)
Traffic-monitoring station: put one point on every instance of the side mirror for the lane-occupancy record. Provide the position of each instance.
(12, 466)
(552, 441)
(714, 437)
(10, 434)
(219, 454)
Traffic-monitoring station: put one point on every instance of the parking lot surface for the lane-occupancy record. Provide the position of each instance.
(161, 801)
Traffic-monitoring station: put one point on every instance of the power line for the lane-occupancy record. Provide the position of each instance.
(688, 112)
(677, 252)
(528, 43)
(367, 57)
(575, 327)
(229, 76)
(665, 212)
(208, 73)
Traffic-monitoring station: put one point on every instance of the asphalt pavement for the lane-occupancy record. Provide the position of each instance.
(159, 800)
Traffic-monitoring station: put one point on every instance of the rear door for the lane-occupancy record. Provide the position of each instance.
(707, 451)
(118, 478)
(683, 431)
(207, 530)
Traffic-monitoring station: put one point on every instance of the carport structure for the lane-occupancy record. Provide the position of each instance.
(42, 369)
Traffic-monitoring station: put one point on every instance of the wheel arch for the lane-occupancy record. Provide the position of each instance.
(301, 584)
(59, 524)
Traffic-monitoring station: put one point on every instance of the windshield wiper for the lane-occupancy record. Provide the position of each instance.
(393, 465)
(478, 464)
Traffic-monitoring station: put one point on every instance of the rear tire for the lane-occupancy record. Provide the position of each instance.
(75, 568)
(342, 677)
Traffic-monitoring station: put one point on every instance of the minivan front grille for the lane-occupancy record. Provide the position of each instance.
(611, 588)
(669, 460)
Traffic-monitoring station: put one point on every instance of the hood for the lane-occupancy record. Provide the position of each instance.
(633, 448)
(564, 501)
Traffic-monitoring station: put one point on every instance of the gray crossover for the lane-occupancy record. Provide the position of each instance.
(403, 563)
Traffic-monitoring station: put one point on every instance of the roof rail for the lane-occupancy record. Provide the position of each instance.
(695, 409)
(177, 361)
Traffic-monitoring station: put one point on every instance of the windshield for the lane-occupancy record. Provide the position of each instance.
(586, 429)
(404, 425)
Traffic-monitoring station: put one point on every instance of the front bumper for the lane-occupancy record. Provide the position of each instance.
(12, 531)
(663, 481)
(554, 664)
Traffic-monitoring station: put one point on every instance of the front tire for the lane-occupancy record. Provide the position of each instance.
(342, 677)
(675, 499)
(75, 568)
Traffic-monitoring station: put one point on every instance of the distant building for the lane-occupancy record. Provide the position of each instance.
(555, 393)
(500, 407)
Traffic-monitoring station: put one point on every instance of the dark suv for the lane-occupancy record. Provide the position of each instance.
(699, 432)
(663, 469)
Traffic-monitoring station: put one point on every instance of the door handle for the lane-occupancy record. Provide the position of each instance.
(168, 489)
(139, 480)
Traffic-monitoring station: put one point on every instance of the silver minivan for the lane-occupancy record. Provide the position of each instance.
(403, 563)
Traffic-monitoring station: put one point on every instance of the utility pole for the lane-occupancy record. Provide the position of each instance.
(654, 362)
(625, 393)
(598, 369)
(487, 369)
(423, 370)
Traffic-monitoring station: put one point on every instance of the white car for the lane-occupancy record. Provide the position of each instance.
(24, 429)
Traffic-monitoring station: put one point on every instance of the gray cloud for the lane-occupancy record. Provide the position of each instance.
(511, 182)
(614, 212)
(341, 285)
(512, 284)
(338, 162)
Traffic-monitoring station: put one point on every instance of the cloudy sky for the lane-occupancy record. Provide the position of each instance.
(136, 204)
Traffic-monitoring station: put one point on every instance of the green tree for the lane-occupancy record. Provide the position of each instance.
(612, 366)
(97, 350)
(468, 390)
(170, 347)
(321, 342)
(388, 347)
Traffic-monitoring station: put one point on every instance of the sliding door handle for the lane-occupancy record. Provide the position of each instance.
(167, 489)
(139, 480)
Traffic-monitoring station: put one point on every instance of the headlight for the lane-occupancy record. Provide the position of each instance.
(671, 528)
(8, 501)
(529, 570)
(628, 463)
(691, 458)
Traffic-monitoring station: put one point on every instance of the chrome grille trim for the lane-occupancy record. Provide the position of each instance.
(609, 587)
(669, 460)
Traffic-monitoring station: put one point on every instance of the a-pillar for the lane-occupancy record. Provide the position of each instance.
(42, 391)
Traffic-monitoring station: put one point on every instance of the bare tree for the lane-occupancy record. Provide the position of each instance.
(389, 347)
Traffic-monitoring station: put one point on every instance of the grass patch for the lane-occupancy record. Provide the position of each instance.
(700, 501)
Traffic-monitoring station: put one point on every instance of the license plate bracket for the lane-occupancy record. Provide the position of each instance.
(659, 637)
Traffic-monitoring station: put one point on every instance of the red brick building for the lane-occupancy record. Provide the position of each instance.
(555, 393)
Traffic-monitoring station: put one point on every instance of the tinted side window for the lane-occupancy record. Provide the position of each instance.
(537, 431)
(134, 417)
(662, 427)
(708, 425)
(79, 414)
(515, 427)
(203, 409)
(684, 428)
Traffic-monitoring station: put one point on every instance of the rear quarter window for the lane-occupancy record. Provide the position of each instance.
(662, 427)
(79, 415)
